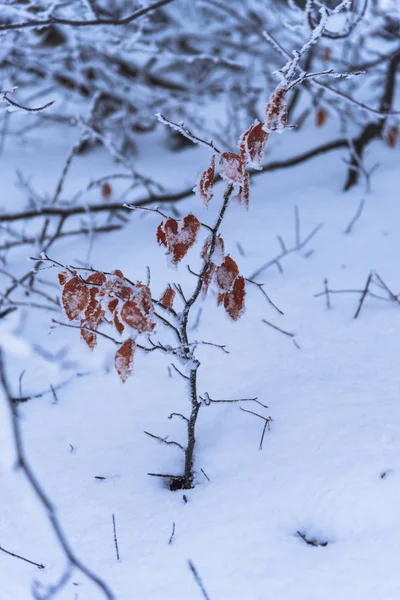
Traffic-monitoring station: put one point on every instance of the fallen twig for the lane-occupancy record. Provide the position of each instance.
(198, 580)
(115, 537)
(31, 562)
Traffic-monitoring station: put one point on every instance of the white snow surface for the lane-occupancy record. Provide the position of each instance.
(334, 403)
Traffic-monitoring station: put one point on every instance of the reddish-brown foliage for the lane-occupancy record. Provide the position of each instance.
(234, 300)
(208, 277)
(226, 274)
(219, 249)
(106, 191)
(138, 312)
(97, 278)
(252, 144)
(118, 325)
(123, 359)
(392, 135)
(112, 305)
(75, 297)
(276, 110)
(327, 54)
(244, 192)
(321, 117)
(231, 167)
(178, 236)
(63, 277)
(204, 187)
(168, 297)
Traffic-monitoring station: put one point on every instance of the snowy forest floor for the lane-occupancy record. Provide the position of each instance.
(330, 464)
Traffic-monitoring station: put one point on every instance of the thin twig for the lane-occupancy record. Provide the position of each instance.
(363, 295)
(31, 562)
(292, 335)
(164, 440)
(328, 300)
(172, 534)
(115, 538)
(198, 580)
(357, 215)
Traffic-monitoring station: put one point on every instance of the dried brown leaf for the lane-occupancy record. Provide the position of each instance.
(75, 297)
(123, 359)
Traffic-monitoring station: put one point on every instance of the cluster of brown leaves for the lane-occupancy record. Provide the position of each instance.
(112, 299)
(232, 166)
(224, 272)
(178, 236)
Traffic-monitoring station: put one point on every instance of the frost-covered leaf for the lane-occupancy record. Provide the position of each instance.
(178, 236)
(123, 359)
(208, 277)
(204, 187)
(231, 167)
(96, 278)
(252, 143)
(234, 300)
(219, 250)
(244, 192)
(92, 318)
(226, 274)
(75, 297)
(118, 325)
(168, 297)
(88, 336)
(276, 111)
(63, 277)
(138, 312)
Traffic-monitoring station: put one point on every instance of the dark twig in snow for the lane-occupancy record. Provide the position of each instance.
(164, 440)
(311, 541)
(115, 538)
(373, 278)
(363, 295)
(198, 580)
(174, 414)
(379, 281)
(264, 293)
(205, 475)
(328, 300)
(267, 423)
(288, 333)
(172, 534)
(207, 400)
(31, 562)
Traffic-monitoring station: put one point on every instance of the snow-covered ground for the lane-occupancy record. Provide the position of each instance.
(330, 464)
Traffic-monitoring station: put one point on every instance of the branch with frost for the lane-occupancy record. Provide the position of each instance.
(4, 95)
(54, 20)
